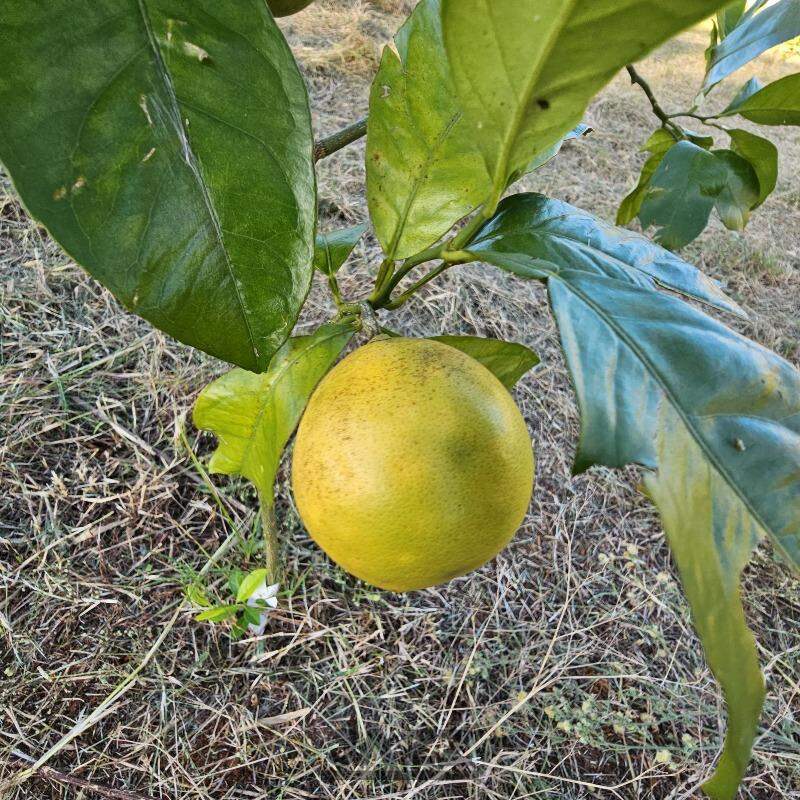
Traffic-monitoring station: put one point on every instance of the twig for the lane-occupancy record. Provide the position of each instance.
(73, 780)
(336, 141)
(637, 79)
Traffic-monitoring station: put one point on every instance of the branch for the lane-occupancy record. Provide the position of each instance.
(645, 86)
(336, 141)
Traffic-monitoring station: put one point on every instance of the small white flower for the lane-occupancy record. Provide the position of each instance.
(265, 594)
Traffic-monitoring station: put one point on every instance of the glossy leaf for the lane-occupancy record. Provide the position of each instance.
(423, 170)
(253, 416)
(525, 70)
(508, 361)
(716, 417)
(658, 145)
(777, 103)
(531, 231)
(756, 33)
(189, 192)
(250, 583)
(334, 248)
(740, 193)
(762, 155)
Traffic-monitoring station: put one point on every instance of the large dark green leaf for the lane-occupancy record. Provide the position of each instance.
(423, 170)
(754, 34)
(777, 103)
(717, 419)
(531, 228)
(253, 416)
(166, 144)
(507, 361)
(525, 70)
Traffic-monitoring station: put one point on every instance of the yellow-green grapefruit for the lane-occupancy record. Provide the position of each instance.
(412, 464)
(284, 8)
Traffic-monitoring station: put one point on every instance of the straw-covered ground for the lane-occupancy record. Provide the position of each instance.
(567, 668)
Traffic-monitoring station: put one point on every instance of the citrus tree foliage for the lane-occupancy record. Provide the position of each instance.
(680, 185)
(167, 145)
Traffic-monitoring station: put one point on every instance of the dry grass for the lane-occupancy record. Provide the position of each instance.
(562, 670)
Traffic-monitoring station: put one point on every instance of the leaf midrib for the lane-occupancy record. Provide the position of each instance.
(194, 168)
(684, 415)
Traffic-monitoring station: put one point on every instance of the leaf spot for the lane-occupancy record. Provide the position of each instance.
(739, 445)
(79, 184)
(195, 51)
(60, 193)
(543, 104)
(149, 155)
(385, 91)
(145, 109)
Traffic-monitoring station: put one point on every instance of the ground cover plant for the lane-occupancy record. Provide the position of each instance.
(711, 417)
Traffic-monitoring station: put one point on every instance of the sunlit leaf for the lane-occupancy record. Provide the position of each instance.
(253, 416)
(217, 614)
(777, 103)
(249, 584)
(525, 70)
(508, 361)
(757, 32)
(129, 131)
(423, 171)
(334, 248)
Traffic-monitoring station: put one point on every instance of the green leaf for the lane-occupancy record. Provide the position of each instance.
(188, 191)
(777, 103)
(549, 153)
(740, 193)
(729, 17)
(196, 595)
(717, 419)
(217, 614)
(507, 361)
(531, 233)
(756, 33)
(747, 91)
(250, 583)
(762, 156)
(253, 416)
(657, 145)
(333, 249)
(681, 194)
(525, 70)
(423, 170)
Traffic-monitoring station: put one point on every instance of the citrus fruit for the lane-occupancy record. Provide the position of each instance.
(412, 464)
(284, 8)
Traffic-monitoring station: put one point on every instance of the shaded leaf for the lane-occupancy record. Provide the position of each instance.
(681, 194)
(717, 418)
(657, 145)
(334, 248)
(755, 33)
(525, 70)
(423, 170)
(507, 361)
(532, 232)
(187, 191)
(740, 193)
(253, 416)
(762, 156)
(777, 103)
